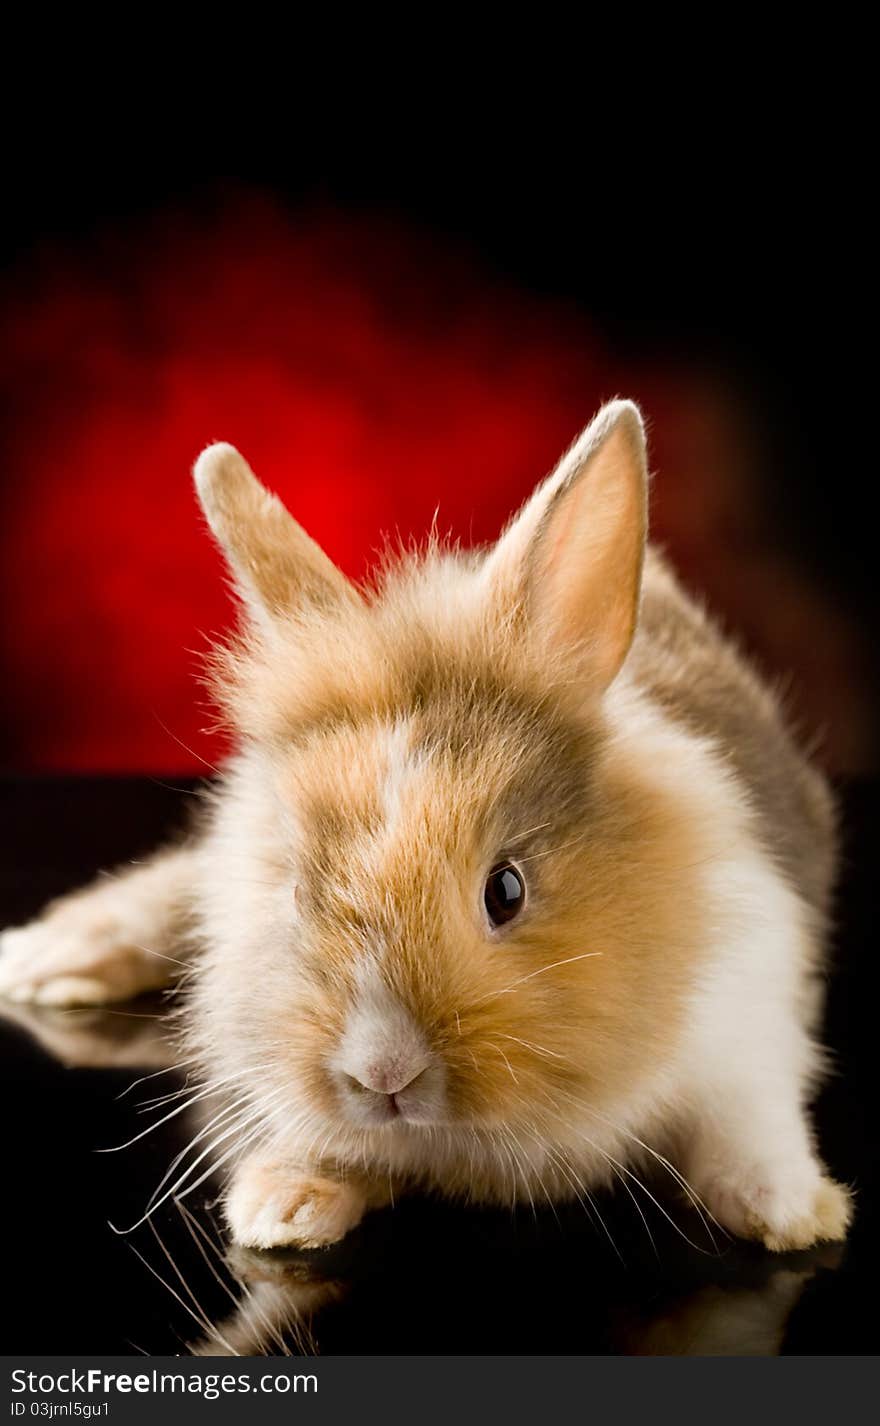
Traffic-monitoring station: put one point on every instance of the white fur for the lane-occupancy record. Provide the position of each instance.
(382, 1047)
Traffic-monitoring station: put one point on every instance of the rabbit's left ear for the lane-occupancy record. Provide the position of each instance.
(278, 568)
(573, 556)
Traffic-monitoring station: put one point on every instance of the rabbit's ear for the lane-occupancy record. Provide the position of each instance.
(277, 567)
(573, 556)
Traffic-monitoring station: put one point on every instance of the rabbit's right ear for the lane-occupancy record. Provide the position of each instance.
(278, 568)
(572, 559)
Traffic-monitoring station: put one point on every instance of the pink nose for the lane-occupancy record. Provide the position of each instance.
(388, 1076)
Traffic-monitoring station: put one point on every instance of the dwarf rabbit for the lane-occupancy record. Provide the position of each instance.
(516, 880)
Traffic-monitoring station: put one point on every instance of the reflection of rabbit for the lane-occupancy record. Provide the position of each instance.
(516, 872)
(744, 1321)
(92, 1038)
(275, 1307)
(722, 1322)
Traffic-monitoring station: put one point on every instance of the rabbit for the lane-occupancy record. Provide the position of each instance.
(516, 880)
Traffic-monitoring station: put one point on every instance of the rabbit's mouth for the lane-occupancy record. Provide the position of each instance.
(407, 1101)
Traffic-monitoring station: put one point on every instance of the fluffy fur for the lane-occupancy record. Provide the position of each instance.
(557, 702)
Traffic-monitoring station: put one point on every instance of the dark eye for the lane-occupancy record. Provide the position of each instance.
(505, 893)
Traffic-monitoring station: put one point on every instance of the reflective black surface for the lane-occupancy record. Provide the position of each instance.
(423, 1277)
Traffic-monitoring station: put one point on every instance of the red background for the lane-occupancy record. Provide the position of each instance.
(372, 374)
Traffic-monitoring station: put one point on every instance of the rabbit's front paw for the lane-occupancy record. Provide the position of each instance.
(271, 1206)
(784, 1210)
(74, 956)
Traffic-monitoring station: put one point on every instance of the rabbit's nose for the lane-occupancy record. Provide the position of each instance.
(389, 1075)
(382, 1049)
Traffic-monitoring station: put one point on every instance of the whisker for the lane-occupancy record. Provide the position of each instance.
(507, 1062)
(185, 746)
(239, 1125)
(551, 851)
(145, 1105)
(105, 1010)
(541, 826)
(191, 1223)
(529, 1045)
(194, 1226)
(236, 1148)
(185, 1305)
(235, 1110)
(694, 1198)
(492, 994)
(206, 1323)
(117, 1148)
(638, 1182)
(562, 1160)
(144, 1077)
(148, 951)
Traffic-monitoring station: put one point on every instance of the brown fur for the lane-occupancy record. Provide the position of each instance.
(684, 664)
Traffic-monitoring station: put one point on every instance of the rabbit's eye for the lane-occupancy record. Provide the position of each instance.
(505, 893)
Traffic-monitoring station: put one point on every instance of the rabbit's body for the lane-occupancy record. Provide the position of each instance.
(518, 880)
(684, 664)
